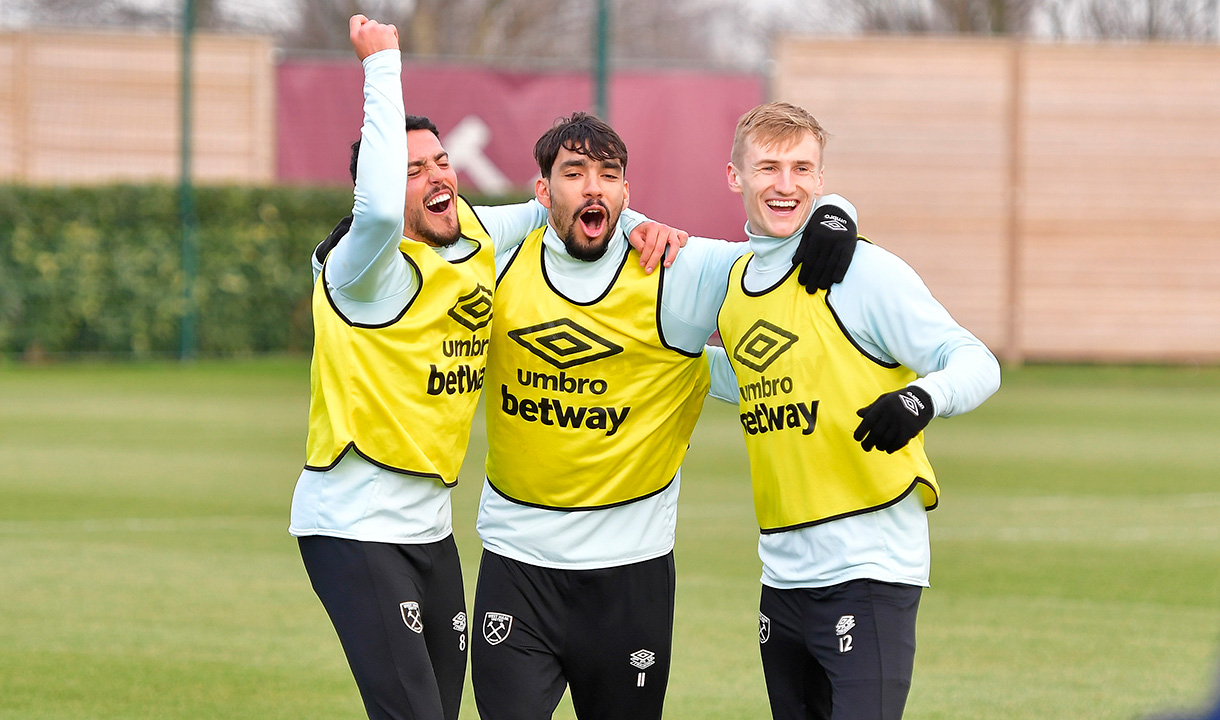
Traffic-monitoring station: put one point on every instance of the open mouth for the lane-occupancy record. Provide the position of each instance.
(439, 203)
(782, 206)
(593, 220)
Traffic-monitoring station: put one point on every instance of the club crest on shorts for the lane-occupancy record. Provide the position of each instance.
(496, 627)
(764, 628)
(411, 616)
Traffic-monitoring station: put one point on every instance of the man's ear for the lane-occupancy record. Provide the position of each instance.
(734, 182)
(626, 193)
(542, 191)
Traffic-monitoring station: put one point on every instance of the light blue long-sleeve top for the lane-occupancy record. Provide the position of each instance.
(371, 283)
(889, 312)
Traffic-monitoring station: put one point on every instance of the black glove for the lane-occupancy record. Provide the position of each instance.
(826, 248)
(893, 419)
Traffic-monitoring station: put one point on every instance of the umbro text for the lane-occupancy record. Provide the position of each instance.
(561, 382)
(474, 347)
(765, 387)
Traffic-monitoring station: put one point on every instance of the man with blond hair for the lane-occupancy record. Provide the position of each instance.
(834, 389)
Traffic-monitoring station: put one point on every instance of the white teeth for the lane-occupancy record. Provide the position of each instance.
(782, 204)
(443, 197)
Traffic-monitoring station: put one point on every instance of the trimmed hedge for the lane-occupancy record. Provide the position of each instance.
(99, 269)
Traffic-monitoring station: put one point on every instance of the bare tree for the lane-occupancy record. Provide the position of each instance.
(976, 17)
(531, 31)
(1192, 20)
(118, 13)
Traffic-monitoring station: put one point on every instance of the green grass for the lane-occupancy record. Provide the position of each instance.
(147, 572)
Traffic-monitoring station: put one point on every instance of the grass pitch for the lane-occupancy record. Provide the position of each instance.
(146, 570)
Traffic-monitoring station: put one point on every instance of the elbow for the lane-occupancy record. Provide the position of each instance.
(992, 377)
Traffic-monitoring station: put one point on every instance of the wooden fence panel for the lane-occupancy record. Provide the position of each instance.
(1062, 201)
(919, 144)
(99, 107)
(1121, 212)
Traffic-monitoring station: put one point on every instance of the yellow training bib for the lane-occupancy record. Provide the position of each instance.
(586, 406)
(800, 381)
(403, 394)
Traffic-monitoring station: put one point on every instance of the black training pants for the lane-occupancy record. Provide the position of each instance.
(605, 633)
(844, 652)
(400, 613)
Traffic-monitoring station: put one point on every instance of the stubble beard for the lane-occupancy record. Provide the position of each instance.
(422, 231)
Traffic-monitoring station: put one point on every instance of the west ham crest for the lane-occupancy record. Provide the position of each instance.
(496, 627)
(411, 616)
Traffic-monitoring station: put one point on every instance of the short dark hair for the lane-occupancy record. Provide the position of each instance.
(414, 122)
(580, 133)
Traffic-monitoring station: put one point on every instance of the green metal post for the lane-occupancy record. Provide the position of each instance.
(189, 346)
(600, 106)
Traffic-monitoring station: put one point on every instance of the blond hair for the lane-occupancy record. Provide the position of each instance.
(777, 124)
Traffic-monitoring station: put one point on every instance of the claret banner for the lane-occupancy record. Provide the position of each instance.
(678, 126)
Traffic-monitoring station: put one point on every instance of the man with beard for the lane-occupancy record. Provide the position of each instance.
(401, 332)
(595, 377)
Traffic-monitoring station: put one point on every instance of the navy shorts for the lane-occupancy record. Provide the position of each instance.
(844, 652)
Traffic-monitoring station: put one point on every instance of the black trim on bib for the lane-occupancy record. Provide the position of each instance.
(862, 511)
(852, 340)
(581, 508)
(477, 247)
(764, 291)
(351, 446)
(594, 301)
(399, 316)
(660, 327)
(516, 252)
(476, 217)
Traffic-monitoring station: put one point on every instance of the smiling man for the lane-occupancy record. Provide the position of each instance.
(834, 389)
(595, 379)
(402, 313)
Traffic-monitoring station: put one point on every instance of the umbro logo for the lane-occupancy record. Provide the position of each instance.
(845, 624)
(911, 402)
(761, 345)
(473, 310)
(643, 659)
(564, 344)
(764, 628)
(834, 223)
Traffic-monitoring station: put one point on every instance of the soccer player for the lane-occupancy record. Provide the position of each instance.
(595, 379)
(834, 391)
(401, 336)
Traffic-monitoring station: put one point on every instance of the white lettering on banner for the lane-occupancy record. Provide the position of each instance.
(465, 143)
